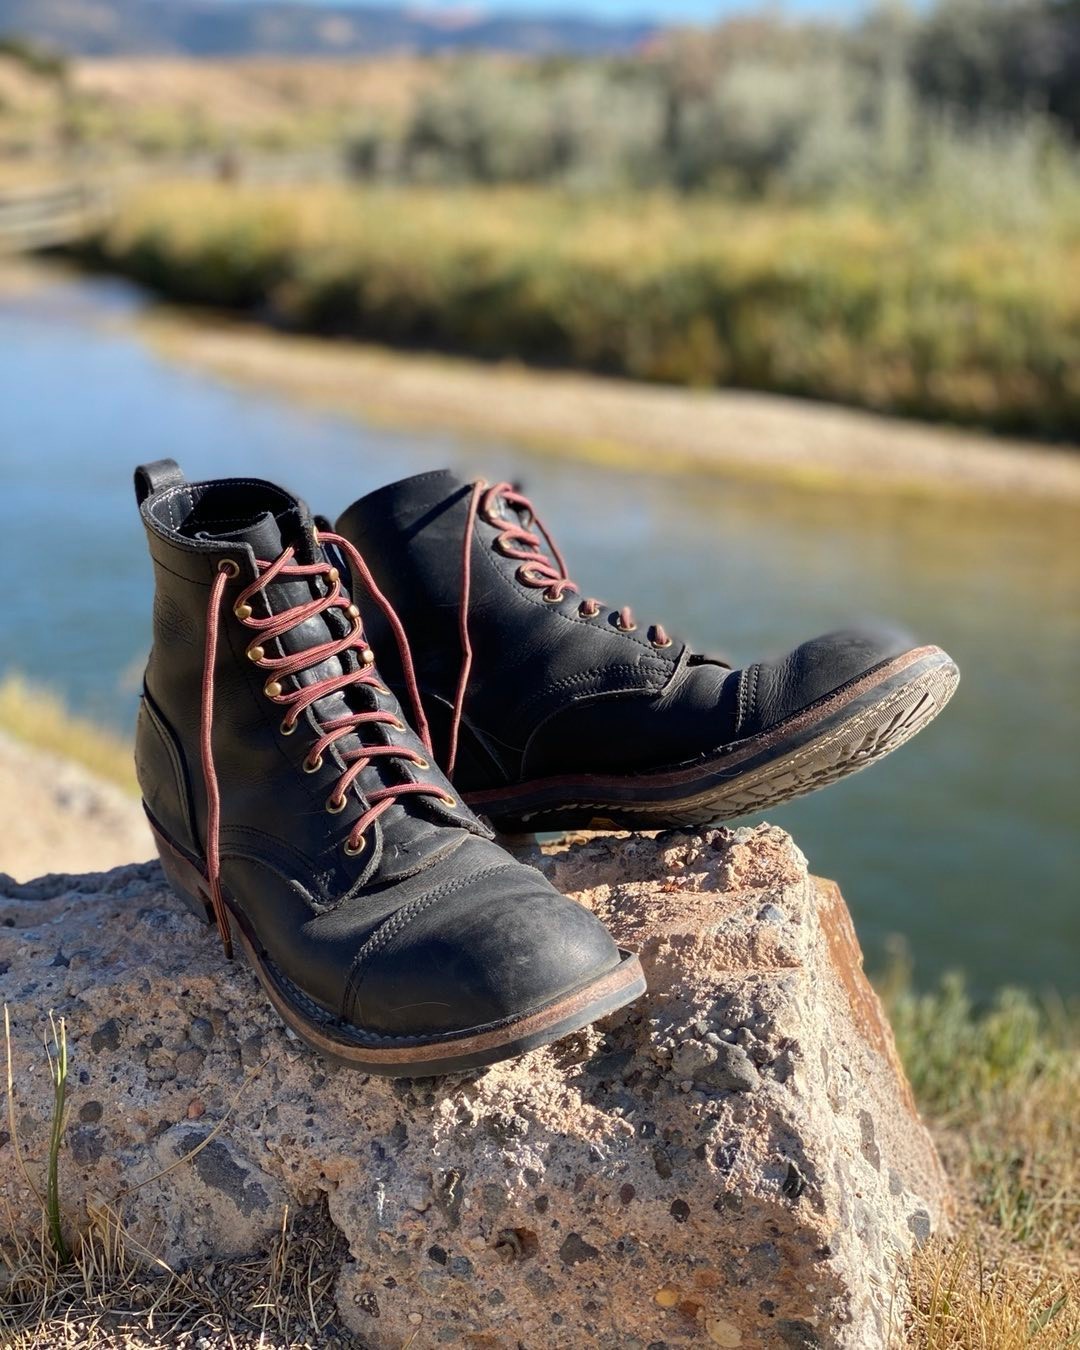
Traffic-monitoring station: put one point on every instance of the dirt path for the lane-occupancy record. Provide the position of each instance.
(626, 425)
(58, 817)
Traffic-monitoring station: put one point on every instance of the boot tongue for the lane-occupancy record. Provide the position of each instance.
(268, 536)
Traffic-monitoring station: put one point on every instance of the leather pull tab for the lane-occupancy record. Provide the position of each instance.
(161, 473)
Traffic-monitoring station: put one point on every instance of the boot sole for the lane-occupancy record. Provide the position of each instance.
(403, 1056)
(850, 729)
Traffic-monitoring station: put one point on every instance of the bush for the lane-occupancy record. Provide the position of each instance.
(763, 107)
(918, 313)
(34, 57)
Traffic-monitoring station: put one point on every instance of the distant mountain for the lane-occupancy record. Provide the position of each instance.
(277, 28)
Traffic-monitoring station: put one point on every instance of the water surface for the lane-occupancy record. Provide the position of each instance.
(964, 842)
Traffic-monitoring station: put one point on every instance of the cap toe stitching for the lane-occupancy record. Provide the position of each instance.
(397, 922)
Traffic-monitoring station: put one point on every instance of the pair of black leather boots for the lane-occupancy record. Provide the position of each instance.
(294, 787)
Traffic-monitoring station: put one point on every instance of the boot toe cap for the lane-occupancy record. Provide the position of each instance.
(773, 691)
(497, 950)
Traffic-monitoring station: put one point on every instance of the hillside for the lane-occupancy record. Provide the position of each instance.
(271, 28)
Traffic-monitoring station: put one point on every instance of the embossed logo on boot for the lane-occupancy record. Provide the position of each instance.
(171, 625)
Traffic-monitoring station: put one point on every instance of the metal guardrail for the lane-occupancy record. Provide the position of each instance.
(45, 217)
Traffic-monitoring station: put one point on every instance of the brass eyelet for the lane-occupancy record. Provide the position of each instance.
(367, 656)
(588, 611)
(661, 645)
(503, 546)
(353, 849)
(353, 612)
(396, 723)
(256, 653)
(333, 575)
(242, 611)
(313, 765)
(230, 568)
(273, 689)
(449, 802)
(287, 727)
(626, 627)
(553, 599)
(421, 762)
(335, 805)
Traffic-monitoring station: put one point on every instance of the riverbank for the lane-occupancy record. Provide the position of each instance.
(612, 423)
(623, 425)
(67, 790)
(951, 317)
(61, 817)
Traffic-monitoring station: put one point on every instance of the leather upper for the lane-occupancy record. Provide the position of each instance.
(551, 691)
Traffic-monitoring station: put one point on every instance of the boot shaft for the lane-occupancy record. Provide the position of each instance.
(195, 531)
(214, 546)
(440, 544)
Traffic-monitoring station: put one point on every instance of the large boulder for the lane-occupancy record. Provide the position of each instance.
(736, 1160)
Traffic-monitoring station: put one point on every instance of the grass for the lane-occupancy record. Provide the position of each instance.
(107, 1290)
(965, 1298)
(58, 1069)
(1001, 1087)
(40, 718)
(157, 107)
(112, 1293)
(916, 312)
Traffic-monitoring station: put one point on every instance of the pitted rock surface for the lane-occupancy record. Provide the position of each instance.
(733, 1161)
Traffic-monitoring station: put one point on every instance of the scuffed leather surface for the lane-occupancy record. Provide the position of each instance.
(770, 692)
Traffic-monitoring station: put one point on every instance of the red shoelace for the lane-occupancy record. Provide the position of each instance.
(535, 569)
(296, 700)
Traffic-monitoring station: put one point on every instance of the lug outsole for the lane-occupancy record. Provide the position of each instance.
(843, 735)
(414, 1057)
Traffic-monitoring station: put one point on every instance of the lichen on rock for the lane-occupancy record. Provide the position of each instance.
(735, 1160)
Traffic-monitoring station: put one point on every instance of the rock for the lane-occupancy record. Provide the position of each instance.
(734, 1161)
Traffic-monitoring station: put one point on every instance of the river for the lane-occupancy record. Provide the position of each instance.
(964, 844)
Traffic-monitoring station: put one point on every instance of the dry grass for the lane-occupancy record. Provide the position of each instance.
(965, 1299)
(246, 95)
(175, 106)
(114, 1293)
(41, 719)
(1003, 1088)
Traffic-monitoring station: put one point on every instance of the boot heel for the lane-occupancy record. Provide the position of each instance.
(185, 880)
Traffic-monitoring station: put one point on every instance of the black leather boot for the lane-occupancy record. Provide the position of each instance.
(293, 805)
(553, 711)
